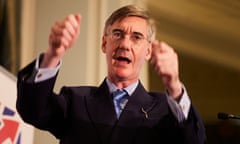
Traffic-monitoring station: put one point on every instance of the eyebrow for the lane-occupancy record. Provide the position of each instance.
(122, 31)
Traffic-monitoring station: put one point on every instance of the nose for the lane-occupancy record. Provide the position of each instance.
(125, 42)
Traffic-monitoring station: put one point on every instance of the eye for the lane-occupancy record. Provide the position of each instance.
(117, 35)
(137, 37)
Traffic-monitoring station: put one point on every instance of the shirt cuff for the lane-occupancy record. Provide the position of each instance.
(185, 103)
(180, 109)
(42, 74)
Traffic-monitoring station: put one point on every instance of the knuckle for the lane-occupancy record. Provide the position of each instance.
(69, 17)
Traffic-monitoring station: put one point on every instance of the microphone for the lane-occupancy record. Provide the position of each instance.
(225, 116)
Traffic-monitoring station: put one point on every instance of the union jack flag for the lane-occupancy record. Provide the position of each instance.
(9, 127)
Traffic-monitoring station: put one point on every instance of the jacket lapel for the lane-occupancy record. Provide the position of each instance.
(101, 111)
(132, 116)
(138, 106)
(100, 105)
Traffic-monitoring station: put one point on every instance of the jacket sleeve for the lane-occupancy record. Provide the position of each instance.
(36, 102)
(193, 128)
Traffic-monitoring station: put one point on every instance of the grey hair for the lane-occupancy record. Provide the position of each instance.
(132, 10)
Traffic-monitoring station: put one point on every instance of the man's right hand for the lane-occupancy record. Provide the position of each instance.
(61, 38)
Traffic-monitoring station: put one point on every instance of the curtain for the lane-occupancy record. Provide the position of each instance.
(10, 34)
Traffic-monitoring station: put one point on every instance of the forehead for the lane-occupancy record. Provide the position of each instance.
(131, 24)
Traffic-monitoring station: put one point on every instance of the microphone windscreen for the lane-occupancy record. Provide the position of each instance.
(223, 116)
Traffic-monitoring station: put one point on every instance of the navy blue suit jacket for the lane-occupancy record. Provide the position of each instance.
(86, 114)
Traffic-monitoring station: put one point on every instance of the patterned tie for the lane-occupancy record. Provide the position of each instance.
(120, 99)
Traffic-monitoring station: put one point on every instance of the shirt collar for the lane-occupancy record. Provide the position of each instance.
(130, 89)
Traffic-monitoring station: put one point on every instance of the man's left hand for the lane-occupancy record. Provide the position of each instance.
(165, 61)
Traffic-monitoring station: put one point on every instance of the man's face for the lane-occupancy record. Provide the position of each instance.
(126, 47)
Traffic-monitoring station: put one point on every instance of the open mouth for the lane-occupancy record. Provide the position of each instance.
(123, 59)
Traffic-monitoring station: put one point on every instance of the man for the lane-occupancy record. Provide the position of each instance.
(92, 114)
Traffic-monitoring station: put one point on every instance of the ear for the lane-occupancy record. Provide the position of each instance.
(148, 52)
(104, 42)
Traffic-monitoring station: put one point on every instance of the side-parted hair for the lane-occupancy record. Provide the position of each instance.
(132, 10)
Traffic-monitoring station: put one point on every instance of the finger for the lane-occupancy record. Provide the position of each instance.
(56, 28)
(68, 26)
(78, 18)
(60, 36)
(65, 28)
(73, 26)
(74, 21)
(65, 31)
(155, 45)
(162, 47)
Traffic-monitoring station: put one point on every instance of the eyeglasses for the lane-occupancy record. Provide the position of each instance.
(135, 37)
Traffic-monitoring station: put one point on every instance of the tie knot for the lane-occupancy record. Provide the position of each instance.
(119, 94)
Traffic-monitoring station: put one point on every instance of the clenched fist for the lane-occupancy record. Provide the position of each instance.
(62, 36)
(165, 61)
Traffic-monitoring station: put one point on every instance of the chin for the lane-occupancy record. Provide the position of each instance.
(122, 76)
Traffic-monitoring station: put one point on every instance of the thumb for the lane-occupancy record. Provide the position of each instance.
(78, 17)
